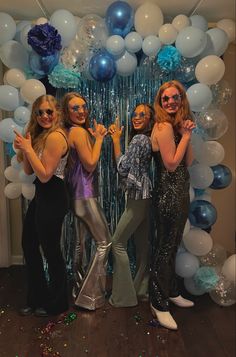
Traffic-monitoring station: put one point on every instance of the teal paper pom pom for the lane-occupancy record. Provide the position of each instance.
(62, 77)
(206, 278)
(169, 58)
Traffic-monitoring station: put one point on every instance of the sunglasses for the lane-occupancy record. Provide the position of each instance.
(76, 108)
(139, 115)
(41, 112)
(175, 97)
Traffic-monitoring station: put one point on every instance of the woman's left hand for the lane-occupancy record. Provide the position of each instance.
(187, 127)
(23, 143)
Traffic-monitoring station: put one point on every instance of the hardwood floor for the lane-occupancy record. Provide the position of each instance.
(207, 330)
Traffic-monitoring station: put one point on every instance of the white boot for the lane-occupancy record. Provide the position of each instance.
(164, 318)
(182, 302)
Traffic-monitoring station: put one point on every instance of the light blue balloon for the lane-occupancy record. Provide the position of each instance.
(22, 115)
(191, 41)
(119, 18)
(199, 97)
(19, 28)
(7, 28)
(199, 22)
(14, 55)
(219, 41)
(7, 127)
(9, 97)
(186, 265)
(151, 45)
(126, 64)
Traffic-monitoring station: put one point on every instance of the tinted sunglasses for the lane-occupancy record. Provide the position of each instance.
(41, 112)
(76, 108)
(166, 98)
(139, 115)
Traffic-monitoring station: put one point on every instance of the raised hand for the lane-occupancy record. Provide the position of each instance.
(22, 143)
(98, 130)
(115, 130)
(187, 127)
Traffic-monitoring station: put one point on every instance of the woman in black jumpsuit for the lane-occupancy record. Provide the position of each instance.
(44, 153)
(172, 154)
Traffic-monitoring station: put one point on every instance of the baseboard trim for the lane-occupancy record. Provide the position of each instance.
(17, 260)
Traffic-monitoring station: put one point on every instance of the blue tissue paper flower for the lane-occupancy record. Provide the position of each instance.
(44, 39)
(169, 58)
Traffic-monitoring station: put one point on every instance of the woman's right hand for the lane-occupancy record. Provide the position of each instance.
(115, 130)
(187, 128)
(99, 131)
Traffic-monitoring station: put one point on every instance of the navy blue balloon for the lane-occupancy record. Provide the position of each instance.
(222, 177)
(102, 66)
(43, 65)
(202, 214)
(119, 18)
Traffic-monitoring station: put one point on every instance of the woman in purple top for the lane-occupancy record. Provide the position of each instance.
(85, 148)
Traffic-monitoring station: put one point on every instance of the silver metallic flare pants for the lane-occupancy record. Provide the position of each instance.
(90, 272)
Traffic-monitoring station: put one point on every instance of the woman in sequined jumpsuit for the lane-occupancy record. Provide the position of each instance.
(133, 168)
(172, 154)
(44, 151)
(85, 148)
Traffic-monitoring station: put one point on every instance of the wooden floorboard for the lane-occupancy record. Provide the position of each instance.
(206, 330)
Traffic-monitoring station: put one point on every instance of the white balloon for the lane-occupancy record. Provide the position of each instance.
(210, 70)
(201, 176)
(228, 26)
(133, 42)
(217, 42)
(28, 190)
(212, 153)
(180, 21)
(191, 193)
(24, 37)
(64, 21)
(12, 190)
(31, 90)
(41, 21)
(11, 174)
(151, 45)
(115, 45)
(186, 265)
(167, 34)
(148, 19)
(198, 242)
(197, 145)
(126, 64)
(15, 77)
(229, 268)
(22, 116)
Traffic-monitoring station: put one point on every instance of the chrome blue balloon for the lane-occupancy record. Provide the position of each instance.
(43, 65)
(119, 18)
(202, 214)
(102, 66)
(222, 177)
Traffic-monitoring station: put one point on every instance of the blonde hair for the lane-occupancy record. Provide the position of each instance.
(182, 114)
(39, 134)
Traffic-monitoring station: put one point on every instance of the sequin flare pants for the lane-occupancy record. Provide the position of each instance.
(90, 285)
(171, 216)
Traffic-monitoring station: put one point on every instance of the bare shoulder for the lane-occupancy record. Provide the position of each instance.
(164, 126)
(78, 131)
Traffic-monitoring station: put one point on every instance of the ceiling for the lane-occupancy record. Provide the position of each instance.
(212, 10)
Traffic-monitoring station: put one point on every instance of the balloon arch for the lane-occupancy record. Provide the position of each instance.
(117, 62)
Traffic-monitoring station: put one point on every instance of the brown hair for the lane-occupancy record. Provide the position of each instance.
(39, 134)
(183, 113)
(65, 109)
